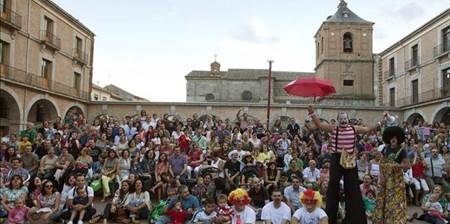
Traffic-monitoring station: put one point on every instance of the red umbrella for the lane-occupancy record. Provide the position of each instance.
(309, 86)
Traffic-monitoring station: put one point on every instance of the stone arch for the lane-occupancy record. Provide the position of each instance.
(443, 115)
(415, 118)
(42, 108)
(73, 112)
(10, 112)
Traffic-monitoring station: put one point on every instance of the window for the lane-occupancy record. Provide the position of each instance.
(348, 43)
(209, 97)
(247, 96)
(46, 69)
(348, 82)
(415, 55)
(4, 5)
(446, 39)
(392, 97)
(4, 53)
(391, 67)
(95, 97)
(321, 45)
(415, 91)
(79, 46)
(446, 82)
(77, 81)
(48, 27)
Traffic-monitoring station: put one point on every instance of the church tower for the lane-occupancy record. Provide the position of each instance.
(344, 54)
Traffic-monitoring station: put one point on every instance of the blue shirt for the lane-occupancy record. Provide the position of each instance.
(189, 202)
(294, 195)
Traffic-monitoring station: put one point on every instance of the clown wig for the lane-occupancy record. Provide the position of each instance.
(239, 196)
(311, 195)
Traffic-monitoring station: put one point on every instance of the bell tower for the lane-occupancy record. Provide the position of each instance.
(344, 53)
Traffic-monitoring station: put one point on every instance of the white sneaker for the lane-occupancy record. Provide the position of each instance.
(70, 222)
(80, 222)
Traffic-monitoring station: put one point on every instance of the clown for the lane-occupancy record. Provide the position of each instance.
(311, 212)
(343, 163)
(242, 213)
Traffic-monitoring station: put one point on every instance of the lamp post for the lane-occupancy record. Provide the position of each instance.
(269, 92)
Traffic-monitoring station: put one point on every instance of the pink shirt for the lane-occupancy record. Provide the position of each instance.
(17, 215)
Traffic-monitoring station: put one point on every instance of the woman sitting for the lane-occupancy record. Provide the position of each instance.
(109, 172)
(138, 203)
(46, 205)
(116, 209)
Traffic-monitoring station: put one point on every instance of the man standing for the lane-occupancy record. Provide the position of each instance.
(343, 139)
(178, 167)
(276, 212)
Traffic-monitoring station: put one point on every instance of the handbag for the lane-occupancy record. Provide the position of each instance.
(347, 160)
(96, 185)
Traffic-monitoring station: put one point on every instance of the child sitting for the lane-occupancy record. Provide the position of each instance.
(81, 198)
(200, 189)
(18, 214)
(435, 208)
(311, 212)
(224, 211)
(177, 214)
(206, 215)
(369, 203)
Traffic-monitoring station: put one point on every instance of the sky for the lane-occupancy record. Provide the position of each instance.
(147, 47)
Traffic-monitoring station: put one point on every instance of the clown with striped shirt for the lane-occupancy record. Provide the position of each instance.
(343, 139)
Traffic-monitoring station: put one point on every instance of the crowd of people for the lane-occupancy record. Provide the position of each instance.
(167, 170)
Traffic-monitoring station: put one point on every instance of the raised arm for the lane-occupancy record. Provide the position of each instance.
(322, 126)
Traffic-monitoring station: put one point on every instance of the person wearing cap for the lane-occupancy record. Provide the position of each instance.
(311, 212)
(391, 200)
(242, 212)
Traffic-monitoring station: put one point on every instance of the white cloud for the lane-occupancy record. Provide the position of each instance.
(255, 31)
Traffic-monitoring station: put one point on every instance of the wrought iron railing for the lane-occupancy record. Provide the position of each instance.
(412, 63)
(441, 49)
(10, 18)
(423, 97)
(50, 39)
(80, 56)
(17, 75)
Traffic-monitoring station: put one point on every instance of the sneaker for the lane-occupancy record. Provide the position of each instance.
(70, 222)
(80, 222)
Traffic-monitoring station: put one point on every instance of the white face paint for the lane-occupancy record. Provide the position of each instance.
(343, 119)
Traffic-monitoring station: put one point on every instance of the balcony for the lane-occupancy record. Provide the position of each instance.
(441, 50)
(20, 76)
(80, 57)
(10, 19)
(411, 64)
(445, 91)
(50, 40)
(388, 75)
(434, 94)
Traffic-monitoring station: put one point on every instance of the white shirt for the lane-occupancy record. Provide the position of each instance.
(305, 217)
(73, 193)
(276, 215)
(310, 175)
(248, 216)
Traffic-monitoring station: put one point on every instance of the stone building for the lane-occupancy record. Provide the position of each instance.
(415, 72)
(45, 63)
(412, 75)
(113, 93)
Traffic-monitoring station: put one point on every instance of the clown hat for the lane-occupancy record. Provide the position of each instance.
(239, 197)
(311, 196)
(391, 132)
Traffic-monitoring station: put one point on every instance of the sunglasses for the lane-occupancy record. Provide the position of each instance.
(48, 186)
